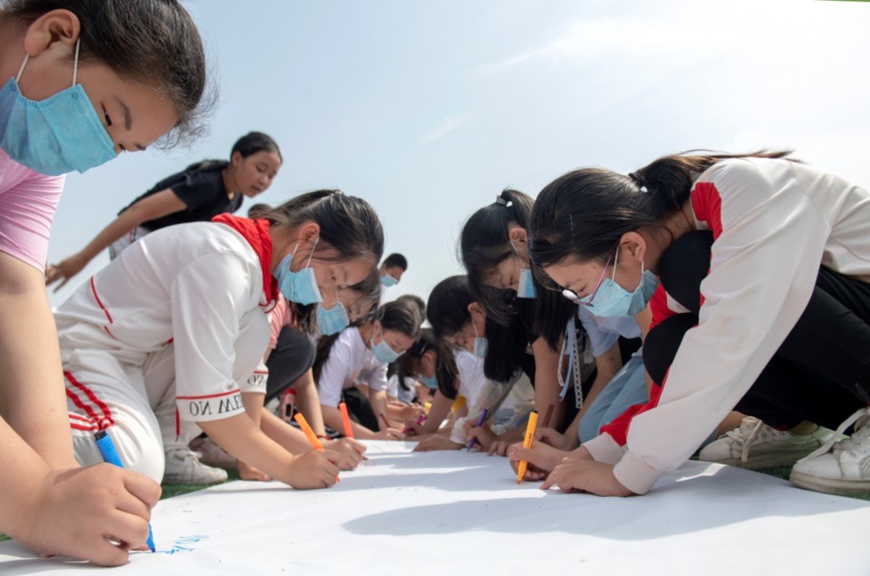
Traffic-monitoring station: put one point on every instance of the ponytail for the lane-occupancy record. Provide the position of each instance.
(484, 244)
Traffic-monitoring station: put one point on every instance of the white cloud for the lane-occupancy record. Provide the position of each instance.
(705, 32)
(450, 124)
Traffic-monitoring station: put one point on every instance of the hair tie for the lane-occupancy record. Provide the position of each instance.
(638, 179)
(503, 202)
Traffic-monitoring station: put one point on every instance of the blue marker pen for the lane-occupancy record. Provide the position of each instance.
(110, 456)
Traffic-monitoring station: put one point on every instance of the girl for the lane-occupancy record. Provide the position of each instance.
(489, 358)
(82, 81)
(778, 326)
(359, 356)
(186, 340)
(196, 194)
(495, 250)
(287, 364)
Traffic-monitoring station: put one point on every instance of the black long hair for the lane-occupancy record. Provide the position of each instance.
(584, 213)
(150, 41)
(484, 244)
(447, 312)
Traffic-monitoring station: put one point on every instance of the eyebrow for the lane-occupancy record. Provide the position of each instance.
(128, 120)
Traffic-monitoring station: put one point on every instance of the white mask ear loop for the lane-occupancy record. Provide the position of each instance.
(76, 61)
(311, 254)
(517, 253)
(615, 262)
(21, 70)
(75, 65)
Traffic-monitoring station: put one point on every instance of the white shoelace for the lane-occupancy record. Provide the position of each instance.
(862, 434)
(744, 454)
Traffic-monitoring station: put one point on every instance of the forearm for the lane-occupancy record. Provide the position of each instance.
(378, 400)
(32, 397)
(308, 402)
(240, 437)
(128, 220)
(547, 387)
(22, 471)
(291, 439)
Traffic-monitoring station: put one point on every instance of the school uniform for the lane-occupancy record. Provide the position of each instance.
(787, 288)
(351, 362)
(168, 332)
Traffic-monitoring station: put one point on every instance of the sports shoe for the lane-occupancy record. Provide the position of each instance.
(756, 445)
(839, 467)
(183, 467)
(212, 454)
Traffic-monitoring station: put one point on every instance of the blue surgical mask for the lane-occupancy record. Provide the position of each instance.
(332, 320)
(613, 301)
(430, 382)
(54, 136)
(388, 281)
(525, 283)
(384, 353)
(480, 343)
(300, 287)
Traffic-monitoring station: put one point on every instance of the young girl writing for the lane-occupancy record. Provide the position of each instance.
(196, 194)
(778, 326)
(489, 358)
(359, 357)
(82, 80)
(495, 250)
(185, 342)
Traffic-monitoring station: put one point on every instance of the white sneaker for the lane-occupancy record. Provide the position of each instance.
(212, 454)
(841, 467)
(183, 467)
(756, 445)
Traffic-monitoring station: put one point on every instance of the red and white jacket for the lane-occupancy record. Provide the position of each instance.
(198, 286)
(773, 222)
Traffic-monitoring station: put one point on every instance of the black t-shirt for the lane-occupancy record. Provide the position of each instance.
(203, 192)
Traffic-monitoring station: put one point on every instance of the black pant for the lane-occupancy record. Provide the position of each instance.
(359, 409)
(820, 373)
(292, 357)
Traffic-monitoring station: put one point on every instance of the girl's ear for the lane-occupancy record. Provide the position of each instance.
(518, 234)
(309, 231)
(55, 26)
(236, 158)
(632, 246)
(475, 308)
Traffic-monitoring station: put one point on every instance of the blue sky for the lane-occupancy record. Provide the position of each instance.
(428, 109)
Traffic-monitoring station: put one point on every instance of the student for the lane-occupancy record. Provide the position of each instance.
(784, 292)
(83, 80)
(287, 365)
(184, 343)
(460, 322)
(495, 251)
(419, 364)
(392, 269)
(359, 357)
(196, 194)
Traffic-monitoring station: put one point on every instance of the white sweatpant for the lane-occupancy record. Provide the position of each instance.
(135, 405)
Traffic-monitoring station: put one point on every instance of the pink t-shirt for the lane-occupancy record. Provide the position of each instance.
(28, 201)
(279, 317)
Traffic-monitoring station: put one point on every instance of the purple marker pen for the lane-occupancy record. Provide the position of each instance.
(479, 423)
